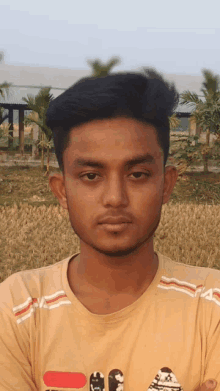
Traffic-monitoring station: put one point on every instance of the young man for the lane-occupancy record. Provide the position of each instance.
(117, 315)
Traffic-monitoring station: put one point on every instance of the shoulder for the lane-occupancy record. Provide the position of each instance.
(193, 280)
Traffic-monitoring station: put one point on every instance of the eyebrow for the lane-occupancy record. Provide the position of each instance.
(147, 158)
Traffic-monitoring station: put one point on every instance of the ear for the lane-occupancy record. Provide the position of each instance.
(57, 185)
(170, 178)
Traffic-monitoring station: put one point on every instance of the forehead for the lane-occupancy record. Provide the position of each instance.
(119, 141)
(117, 133)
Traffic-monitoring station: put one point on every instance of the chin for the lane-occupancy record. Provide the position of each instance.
(117, 250)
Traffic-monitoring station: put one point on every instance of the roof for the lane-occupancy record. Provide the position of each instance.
(184, 109)
(17, 94)
(41, 76)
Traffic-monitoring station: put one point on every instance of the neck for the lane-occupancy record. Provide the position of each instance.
(96, 272)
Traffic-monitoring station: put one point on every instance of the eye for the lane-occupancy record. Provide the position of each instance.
(142, 173)
(89, 173)
(134, 173)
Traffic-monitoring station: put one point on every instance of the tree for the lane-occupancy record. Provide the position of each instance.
(206, 112)
(4, 89)
(39, 105)
(174, 122)
(3, 116)
(100, 69)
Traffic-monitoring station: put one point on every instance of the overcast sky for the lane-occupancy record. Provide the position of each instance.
(179, 37)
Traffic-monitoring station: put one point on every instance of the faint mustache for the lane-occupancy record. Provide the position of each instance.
(114, 220)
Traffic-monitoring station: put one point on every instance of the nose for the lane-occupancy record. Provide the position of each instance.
(115, 192)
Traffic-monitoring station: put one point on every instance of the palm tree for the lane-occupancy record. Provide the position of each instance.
(39, 105)
(100, 69)
(174, 121)
(206, 112)
(4, 88)
(3, 116)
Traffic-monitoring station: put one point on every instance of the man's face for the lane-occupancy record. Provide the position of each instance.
(94, 193)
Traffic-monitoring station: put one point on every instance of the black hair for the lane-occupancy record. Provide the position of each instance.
(146, 97)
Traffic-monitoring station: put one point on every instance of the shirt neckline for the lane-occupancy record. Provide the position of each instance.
(118, 315)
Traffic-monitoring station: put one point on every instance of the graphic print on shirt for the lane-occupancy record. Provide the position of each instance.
(64, 379)
(165, 380)
(116, 380)
(97, 382)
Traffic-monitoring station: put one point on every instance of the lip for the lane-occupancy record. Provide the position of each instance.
(115, 227)
(115, 220)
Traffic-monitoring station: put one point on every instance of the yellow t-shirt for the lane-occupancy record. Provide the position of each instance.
(167, 339)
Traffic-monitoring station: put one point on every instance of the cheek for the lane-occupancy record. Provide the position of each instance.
(80, 204)
(81, 195)
(147, 205)
(151, 195)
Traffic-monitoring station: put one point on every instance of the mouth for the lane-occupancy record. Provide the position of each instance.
(115, 227)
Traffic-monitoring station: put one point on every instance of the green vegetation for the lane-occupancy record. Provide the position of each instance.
(100, 69)
(39, 105)
(206, 113)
